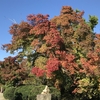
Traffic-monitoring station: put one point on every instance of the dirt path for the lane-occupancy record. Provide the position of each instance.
(1, 97)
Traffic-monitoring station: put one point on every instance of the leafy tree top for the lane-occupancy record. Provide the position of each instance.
(63, 48)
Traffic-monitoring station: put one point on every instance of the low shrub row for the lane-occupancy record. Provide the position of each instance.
(28, 92)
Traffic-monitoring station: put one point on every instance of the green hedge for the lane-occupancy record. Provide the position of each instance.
(28, 92)
(9, 93)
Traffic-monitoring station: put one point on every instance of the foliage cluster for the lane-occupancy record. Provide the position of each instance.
(12, 71)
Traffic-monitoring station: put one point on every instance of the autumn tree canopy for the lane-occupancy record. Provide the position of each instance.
(13, 72)
(64, 49)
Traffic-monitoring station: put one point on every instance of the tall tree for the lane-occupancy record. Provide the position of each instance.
(64, 49)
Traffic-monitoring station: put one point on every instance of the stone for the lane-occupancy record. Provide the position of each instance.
(44, 96)
(46, 90)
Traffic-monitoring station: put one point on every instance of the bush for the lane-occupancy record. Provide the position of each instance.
(23, 91)
(9, 93)
(30, 92)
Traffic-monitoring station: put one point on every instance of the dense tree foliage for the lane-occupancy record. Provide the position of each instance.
(64, 51)
(13, 72)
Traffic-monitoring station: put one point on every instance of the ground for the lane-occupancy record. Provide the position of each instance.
(1, 97)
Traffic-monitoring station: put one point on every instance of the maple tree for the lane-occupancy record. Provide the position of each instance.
(64, 49)
(13, 72)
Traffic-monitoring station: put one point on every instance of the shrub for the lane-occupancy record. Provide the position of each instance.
(9, 93)
(30, 92)
(24, 91)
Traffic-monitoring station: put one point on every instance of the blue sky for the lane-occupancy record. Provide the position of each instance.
(19, 9)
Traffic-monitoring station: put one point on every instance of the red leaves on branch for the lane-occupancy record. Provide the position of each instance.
(37, 71)
(90, 65)
(67, 61)
(11, 70)
(41, 28)
(40, 24)
(53, 38)
(37, 18)
(52, 65)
